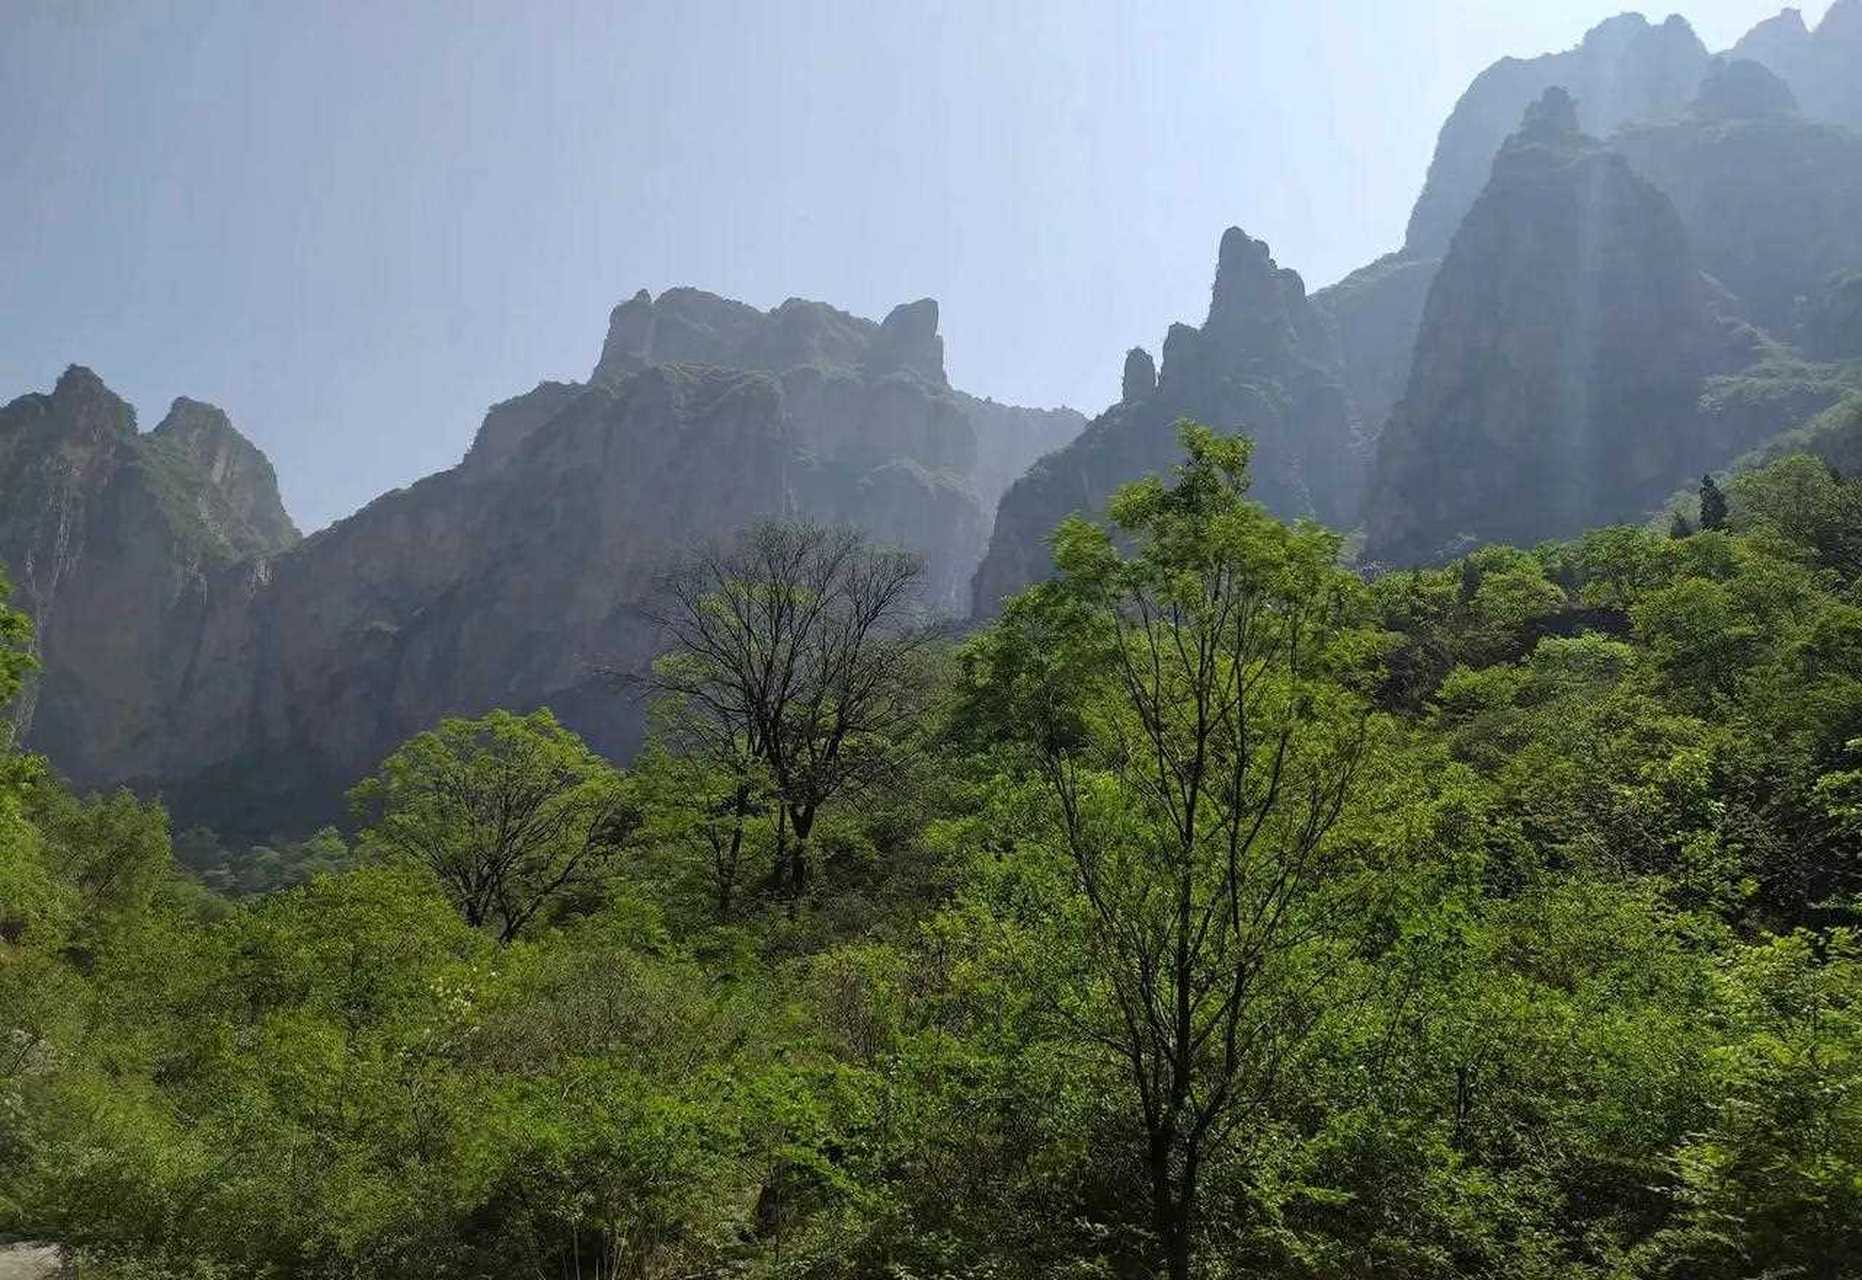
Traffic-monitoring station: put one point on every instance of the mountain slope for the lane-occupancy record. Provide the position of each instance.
(1265, 361)
(1772, 201)
(196, 647)
(1563, 349)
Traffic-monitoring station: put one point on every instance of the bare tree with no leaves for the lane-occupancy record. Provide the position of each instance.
(798, 648)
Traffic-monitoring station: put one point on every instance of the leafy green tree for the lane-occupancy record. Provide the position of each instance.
(1806, 503)
(265, 868)
(1773, 1184)
(16, 657)
(513, 815)
(1183, 704)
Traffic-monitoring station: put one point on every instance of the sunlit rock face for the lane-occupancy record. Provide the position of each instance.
(1562, 352)
(1626, 69)
(1771, 200)
(194, 645)
(1265, 362)
(114, 540)
(865, 399)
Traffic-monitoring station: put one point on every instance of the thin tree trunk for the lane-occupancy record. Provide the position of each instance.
(798, 857)
(780, 872)
(1173, 1199)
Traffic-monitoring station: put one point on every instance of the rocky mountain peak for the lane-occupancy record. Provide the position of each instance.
(1558, 370)
(1265, 363)
(1553, 118)
(630, 336)
(1140, 379)
(1249, 283)
(908, 339)
(1742, 89)
(1256, 310)
(691, 326)
(1784, 33)
(244, 505)
(1842, 23)
(1625, 69)
(510, 422)
(1771, 195)
(1628, 33)
(81, 400)
(1819, 66)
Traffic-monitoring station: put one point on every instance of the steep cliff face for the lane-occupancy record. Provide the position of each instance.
(1772, 201)
(1009, 438)
(112, 539)
(920, 463)
(195, 646)
(1626, 69)
(1377, 311)
(1265, 362)
(1820, 66)
(507, 586)
(1830, 325)
(1563, 349)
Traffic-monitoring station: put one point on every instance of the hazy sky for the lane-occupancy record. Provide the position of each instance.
(355, 224)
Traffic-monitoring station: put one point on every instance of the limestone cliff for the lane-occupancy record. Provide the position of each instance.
(195, 646)
(1264, 362)
(1771, 200)
(112, 539)
(1626, 69)
(1377, 311)
(1563, 349)
(1820, 66)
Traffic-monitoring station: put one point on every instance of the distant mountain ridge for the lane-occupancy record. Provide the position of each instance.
(1752, 222)
(195, 645)
(1625, 267)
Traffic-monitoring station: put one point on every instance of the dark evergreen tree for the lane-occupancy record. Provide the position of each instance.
(1680, 526)
(1712, 504)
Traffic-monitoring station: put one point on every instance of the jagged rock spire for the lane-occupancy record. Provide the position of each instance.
(1140, 378)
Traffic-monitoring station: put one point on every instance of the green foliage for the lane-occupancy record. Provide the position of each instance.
(1565, 986)
(513, 815)
(15, 645)
(263, 868)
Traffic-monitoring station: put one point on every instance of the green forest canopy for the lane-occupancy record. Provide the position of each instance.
(1214, 913)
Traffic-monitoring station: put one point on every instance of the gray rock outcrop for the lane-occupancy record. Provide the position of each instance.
(1563, 349)
(1265, 362)
(1625, 69)
(1772, 201)
(195, 646)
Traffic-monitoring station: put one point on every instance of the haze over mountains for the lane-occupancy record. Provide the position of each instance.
(1631, 263)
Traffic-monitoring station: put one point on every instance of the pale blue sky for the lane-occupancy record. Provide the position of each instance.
(355, 224)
